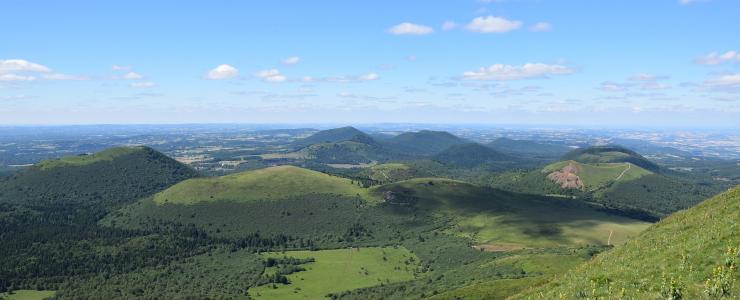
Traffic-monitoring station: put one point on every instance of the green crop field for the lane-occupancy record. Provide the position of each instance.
(265, 184)
(340, 270)
(27, 295)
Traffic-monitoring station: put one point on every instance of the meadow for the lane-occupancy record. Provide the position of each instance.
(339, 270)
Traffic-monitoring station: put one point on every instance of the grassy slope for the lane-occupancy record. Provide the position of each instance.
(340, 270)
(599, 175)
(686, 246)
(391, 172)
(546, 264)
(27, 295)
(265, 184)
(492, 216)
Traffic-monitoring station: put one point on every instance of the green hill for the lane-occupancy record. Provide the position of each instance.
(530, 149)
(692, 253)
(112, 176)
(474, 155)
(333, 136)
(273, 183)
(346, 152)
(425, 142)
(614, 177)
(49, 214)
(610, 154)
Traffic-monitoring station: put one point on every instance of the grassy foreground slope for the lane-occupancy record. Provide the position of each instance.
(265, 184)
(679, 255)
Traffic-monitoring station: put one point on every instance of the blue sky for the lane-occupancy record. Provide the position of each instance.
(611, 63)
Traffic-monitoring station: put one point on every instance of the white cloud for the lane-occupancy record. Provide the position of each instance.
(132, 76)
(272, 75)
(222, 72)
(407, 28)
(652, 85)
(16, 77)
(500, 72)
(291, 60)
(143, 84)
(491, 24)
(411, 58)
(60, 76)
(20, 65)
(540, 27)
(369, 77)
(715, 58)
(610, 86)
(732, 80)
(120, 68)
(449, 25)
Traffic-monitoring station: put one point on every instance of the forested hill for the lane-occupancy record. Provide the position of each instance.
(692, 254)
(335, 135)
(425, 142)
(111, 176)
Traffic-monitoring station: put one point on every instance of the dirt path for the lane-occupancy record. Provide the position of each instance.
(629, 165)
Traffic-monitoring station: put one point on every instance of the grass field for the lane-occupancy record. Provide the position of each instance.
(27, 295)
(490, 216)
(340, 270)
(685, 248)
(265, 184)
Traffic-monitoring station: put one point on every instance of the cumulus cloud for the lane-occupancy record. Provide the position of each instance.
(20, 65)
(500, 72)
(272, 75)
(610, 86)
(732, 80)
(540, 27)
(291, 60)
(491, 24)
(449, 25)
(142, 84)
(23, 70)
(715, 58)
(222, 72)
(59, 76)
(369, 77)
(407, 28)
(132, 76)
(16, 77)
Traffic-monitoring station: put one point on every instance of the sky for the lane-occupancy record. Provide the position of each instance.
(594, 63)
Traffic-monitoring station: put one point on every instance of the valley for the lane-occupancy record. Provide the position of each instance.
(421, 215)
